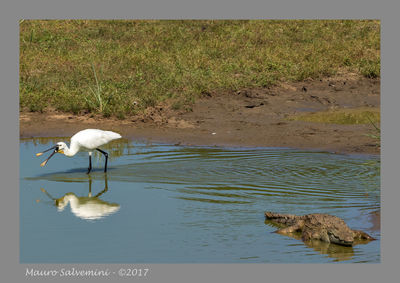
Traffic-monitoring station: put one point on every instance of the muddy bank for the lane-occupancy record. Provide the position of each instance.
(249, 117)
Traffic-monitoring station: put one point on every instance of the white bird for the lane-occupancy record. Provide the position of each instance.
(90, 208)
(87, 140)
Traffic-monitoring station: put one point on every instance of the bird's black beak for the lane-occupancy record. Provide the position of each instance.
(55, 151)
(53, 147)
(47, 194)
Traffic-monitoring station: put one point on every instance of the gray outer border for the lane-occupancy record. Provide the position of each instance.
(12, 271)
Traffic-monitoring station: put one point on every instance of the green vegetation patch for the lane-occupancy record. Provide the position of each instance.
(342, 116)
(121, 67)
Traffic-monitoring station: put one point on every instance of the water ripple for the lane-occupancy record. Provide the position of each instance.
(201, 204)
(240, 174)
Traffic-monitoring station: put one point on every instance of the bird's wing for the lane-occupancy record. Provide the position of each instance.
(93, 138)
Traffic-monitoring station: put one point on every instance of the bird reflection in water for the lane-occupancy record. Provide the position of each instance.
(86, 207)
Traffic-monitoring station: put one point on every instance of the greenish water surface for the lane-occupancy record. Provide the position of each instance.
(177, 204)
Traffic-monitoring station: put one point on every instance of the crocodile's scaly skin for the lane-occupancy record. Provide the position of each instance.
(324, 227)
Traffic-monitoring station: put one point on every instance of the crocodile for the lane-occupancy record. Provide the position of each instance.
(318, 226)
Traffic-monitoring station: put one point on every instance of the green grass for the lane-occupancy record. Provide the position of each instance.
(121, 67)
(343, 116)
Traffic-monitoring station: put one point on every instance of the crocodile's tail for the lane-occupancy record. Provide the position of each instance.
(273, 215)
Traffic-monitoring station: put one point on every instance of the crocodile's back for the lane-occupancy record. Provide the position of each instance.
(325, 220)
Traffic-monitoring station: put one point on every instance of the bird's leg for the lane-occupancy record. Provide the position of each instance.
(106, 156)
(90, 187)
(90, 163)
(105, 187)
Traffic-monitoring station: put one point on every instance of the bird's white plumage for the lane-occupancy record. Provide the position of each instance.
(87, 207)
(93, 138)
(87, 140)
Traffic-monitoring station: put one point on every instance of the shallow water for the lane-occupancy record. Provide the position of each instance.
(175, 204)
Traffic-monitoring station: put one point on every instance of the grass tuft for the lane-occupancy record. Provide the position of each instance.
(377, 134)
(96, 101)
